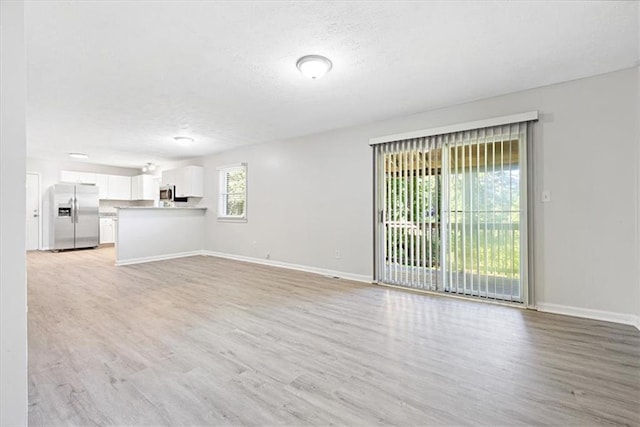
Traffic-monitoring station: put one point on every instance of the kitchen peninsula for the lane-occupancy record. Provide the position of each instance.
(151, 234)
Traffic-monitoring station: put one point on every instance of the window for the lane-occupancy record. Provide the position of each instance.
(232, 201)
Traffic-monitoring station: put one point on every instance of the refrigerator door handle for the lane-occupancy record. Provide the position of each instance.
(72, 217)
(75, 209)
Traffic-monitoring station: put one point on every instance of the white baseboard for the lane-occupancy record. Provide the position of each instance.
(608, 316)
(290, 266)
(158, 258)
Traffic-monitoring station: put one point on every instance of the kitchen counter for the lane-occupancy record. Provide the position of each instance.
(151, 233)
(161, 209)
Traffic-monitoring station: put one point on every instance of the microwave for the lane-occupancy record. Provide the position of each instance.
(168, 194)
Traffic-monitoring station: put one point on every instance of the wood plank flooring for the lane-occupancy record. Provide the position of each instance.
(208, 341)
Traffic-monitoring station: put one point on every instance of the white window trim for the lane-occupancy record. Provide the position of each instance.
(232, 218)
(478, 124)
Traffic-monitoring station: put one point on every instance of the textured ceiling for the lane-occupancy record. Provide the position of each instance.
(118, 80)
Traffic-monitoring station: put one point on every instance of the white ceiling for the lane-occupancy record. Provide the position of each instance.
(117, 80)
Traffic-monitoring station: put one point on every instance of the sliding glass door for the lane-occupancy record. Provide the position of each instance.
(452, 213)
(411, 214)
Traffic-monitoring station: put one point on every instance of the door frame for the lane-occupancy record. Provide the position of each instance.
(40, 221)
(526, 190)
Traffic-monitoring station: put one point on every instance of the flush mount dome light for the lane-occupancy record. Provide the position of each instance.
(183, 139)
(78, 155)
(314, 66)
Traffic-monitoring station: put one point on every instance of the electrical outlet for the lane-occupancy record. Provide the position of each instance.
(337, 254)
(268, 256)
(546, 196)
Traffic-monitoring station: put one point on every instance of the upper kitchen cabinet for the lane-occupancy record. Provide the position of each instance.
(144, 187)
(102, 181)
(119, 187)
(169, 177)
(110, 187)
(187, 180)
(78, 177)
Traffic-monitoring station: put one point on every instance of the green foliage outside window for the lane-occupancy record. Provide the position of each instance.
(482, 241)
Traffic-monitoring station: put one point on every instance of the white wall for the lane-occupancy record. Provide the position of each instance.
(312, 195)
(307, 198)
(638, 173)
(154, 234)
(13, 301)
(637, 194)
(638, 181)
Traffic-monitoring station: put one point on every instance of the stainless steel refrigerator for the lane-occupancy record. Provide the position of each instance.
(74, 221)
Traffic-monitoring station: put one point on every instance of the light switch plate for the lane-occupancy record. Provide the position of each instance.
(546, 196)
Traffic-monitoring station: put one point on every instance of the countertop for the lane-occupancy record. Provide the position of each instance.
(162, 209)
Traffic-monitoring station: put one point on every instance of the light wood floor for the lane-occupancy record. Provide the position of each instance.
(208, 341)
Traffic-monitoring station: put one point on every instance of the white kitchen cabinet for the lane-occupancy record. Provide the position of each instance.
(188, 180)
(144, 187)
(102, 182)
(191, 185)
(110, 187)
(119, 187)
(78, 177)
(181, 182)
(107, 231)
(169, 177)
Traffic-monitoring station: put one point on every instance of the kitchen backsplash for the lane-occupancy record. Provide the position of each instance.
(109, 206)
(191, 202)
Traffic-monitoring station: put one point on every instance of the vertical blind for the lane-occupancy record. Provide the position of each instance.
(452, 212)
(410, 200)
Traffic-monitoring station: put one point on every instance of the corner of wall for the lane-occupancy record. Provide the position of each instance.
(13, 304)
(637, 192)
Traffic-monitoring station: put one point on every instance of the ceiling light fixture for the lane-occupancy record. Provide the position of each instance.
(78, 156)
(183, 139)
(314, 66)
(149, 167)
